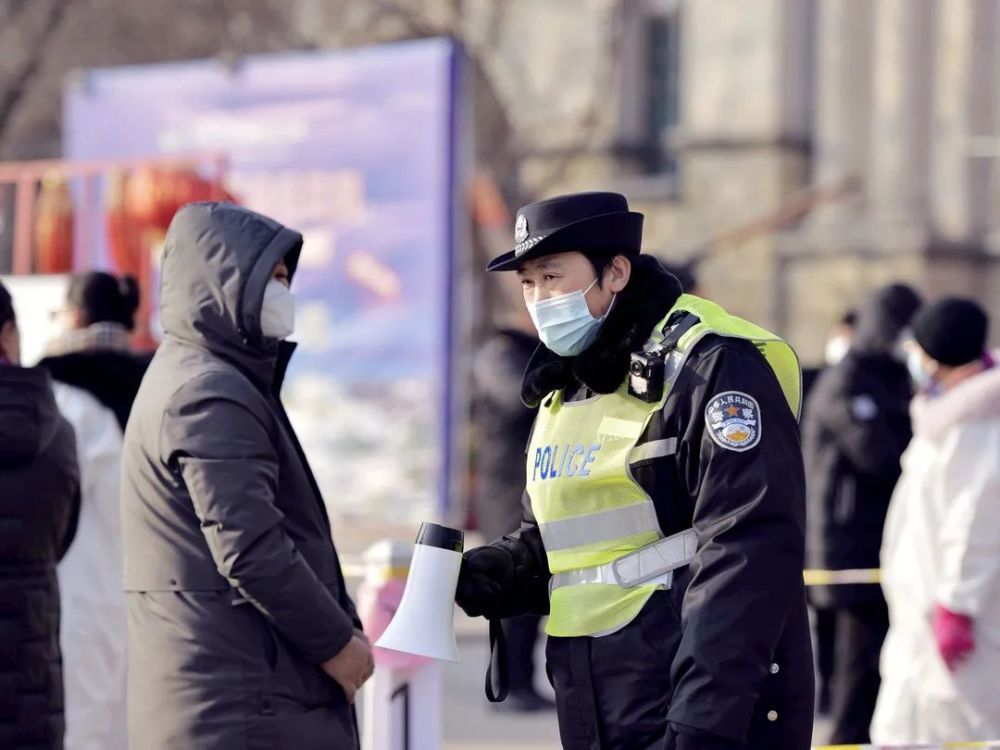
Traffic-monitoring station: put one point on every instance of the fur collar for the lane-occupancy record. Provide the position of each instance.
(977, 398)
(647, 299)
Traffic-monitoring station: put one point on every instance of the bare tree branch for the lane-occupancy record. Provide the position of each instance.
(21, 82)
(10, 11)
(415, 25)
(590, 121)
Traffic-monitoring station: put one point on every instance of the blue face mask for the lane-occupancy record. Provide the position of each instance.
(564, 323)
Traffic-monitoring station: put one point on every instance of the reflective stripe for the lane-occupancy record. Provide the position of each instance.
(601, 574)
(653, 449)
(605, 526)
(652, 564)
(655, 559)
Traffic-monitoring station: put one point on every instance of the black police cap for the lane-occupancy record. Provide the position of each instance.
(589, 223)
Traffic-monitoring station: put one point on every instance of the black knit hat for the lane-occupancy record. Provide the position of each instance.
(952, 330)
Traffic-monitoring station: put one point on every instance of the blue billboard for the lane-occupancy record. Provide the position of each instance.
(355, 149)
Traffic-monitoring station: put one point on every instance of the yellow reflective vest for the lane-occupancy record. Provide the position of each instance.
(590, 510)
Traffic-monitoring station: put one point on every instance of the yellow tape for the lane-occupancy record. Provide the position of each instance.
(841, 578)
(812, 577)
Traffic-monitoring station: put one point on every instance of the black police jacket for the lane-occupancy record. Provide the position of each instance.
(741, 659)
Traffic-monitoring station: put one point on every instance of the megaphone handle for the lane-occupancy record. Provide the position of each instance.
(498, 659)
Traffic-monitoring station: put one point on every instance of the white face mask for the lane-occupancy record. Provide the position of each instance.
(836, 349)
(923, 379)
(564, 323)
(277, 314)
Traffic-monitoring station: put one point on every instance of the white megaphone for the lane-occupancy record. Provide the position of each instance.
(424, 623)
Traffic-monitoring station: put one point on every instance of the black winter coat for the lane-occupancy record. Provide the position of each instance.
(39, 505)
(235, 591)
(707, 664)
(112, 377)
(855, 429)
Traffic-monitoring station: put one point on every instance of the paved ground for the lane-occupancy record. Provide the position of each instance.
(471, 724)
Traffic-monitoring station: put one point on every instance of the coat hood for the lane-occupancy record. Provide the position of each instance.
(217, 260)
(29, 418)
(882, 317)
(974, 400)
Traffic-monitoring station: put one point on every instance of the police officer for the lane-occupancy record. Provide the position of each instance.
(663, 515)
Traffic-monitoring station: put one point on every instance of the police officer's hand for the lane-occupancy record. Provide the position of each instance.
(485, 572)
(352, 667)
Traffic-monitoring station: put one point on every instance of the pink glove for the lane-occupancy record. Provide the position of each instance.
(954, 636)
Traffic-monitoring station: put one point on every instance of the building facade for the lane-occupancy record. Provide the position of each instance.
(804, 151)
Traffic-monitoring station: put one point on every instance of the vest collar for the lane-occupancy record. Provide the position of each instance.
(649, 296)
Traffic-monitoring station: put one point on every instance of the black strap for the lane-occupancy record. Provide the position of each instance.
(498, 662)
(677, 325)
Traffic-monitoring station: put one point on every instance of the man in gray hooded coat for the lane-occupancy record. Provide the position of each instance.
(241, 631)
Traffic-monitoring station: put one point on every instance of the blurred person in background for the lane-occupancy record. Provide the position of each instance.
(503, 425)
(93, 351)
(241, 631)
(838, 343)
(663, 521)
(686, 275)
(39, 505)
(96, 379)
(855, 428)
(941, 554)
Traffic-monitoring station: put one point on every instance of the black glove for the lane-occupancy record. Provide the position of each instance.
(485, 573)
(681, 737)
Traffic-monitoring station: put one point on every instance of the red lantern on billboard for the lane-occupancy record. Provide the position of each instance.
(144, 197)
(152, 195)
(138, 208)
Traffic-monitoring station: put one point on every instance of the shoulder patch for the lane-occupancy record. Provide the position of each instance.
(732, 419)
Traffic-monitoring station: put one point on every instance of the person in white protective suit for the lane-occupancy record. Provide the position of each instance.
(941, 550)
(93, 624)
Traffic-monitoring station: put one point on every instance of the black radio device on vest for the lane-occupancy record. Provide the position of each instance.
(647, 368)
